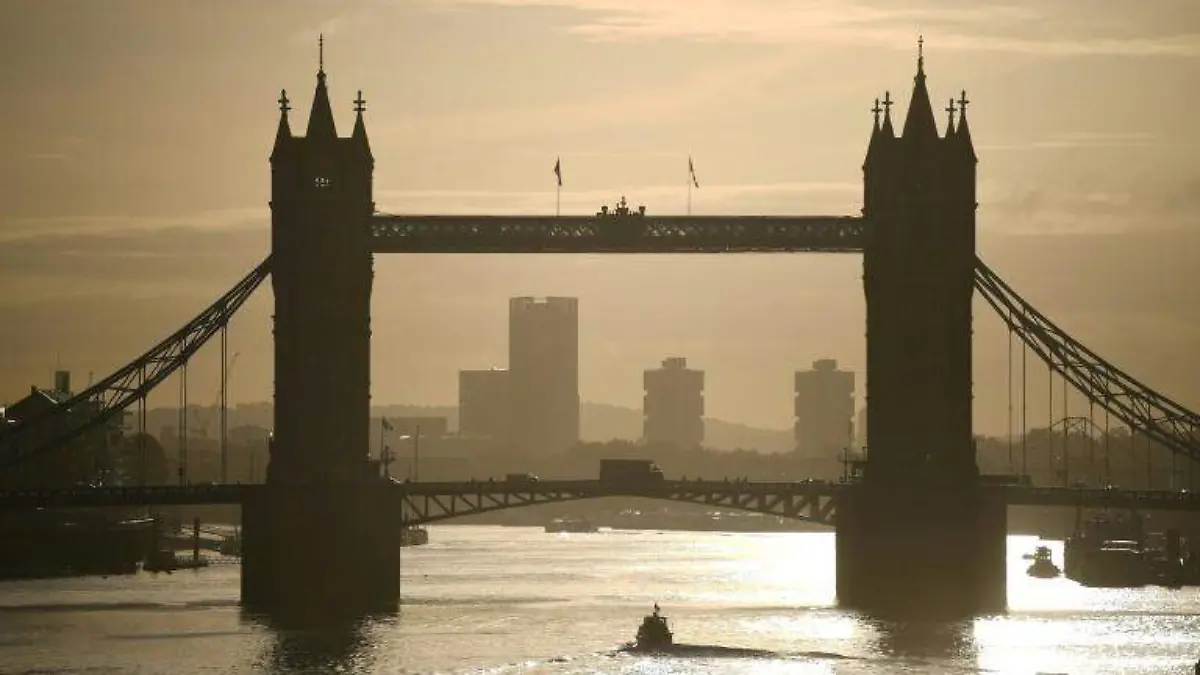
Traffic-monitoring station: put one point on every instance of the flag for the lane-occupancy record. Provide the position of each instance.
(692, 172)
(558, 170)
(386, 424)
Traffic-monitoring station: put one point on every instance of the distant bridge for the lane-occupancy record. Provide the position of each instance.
(431, 502)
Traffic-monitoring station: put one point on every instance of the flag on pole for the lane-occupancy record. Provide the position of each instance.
(386, 424)
(692, 172)
(558, 170)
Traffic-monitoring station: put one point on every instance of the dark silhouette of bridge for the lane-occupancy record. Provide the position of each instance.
(422, 503)
(920, 490)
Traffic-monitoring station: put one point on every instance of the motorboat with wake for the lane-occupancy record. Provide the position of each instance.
(1043, 566)
(654, 636)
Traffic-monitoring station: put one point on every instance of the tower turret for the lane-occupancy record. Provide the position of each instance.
(320, 118)
(887, 131)
(963, 134)
(321, 205)
(283, 134)
(360, 128)
(919, 124)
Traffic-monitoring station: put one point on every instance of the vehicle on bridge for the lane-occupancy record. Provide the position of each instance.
(520, 479)
(630, 472)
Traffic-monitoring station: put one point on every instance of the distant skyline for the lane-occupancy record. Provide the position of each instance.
(1089, 180)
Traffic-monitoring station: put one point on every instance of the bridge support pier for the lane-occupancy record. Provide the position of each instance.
(937, 552)
(331, 550)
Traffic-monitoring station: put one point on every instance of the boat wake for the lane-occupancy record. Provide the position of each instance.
(681, 650)
(700, 651)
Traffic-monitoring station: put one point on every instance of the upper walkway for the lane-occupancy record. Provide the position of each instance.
(617, 232)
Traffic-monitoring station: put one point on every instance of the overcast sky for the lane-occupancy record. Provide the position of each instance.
(135, 176)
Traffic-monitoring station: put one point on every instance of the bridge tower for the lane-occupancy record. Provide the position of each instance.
(318, 476)
(915, 535)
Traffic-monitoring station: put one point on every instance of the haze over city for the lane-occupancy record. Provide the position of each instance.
(137, 194)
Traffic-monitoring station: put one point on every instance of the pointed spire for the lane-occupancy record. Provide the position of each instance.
(919, 122)
(320, 118)
(950, 122)
(284, 133)
(887, 129)
(360, 127)
(285, 129)
(872, 146)
(964, 130)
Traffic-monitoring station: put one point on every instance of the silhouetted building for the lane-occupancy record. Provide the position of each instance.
(483, 403)
(321, 273)
(824, 410)
(543, 374)
(79, 459)
(674, 404)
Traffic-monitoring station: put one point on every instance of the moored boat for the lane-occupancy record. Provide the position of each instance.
(414, 535)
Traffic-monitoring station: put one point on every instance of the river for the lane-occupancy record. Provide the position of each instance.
(517, 600)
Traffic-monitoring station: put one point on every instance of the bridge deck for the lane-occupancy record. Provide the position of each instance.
(616, 234)
(439, 500)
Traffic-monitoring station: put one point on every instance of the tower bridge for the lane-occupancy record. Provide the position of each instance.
(920, 490)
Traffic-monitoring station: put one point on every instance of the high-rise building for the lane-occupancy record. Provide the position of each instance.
(543, 374)
(824, 410)
(674, 404)
(483, 403)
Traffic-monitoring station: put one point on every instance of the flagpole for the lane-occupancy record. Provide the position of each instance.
(557, 200)
(691, 181)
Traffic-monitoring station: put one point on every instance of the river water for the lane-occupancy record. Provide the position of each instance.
(518, 600)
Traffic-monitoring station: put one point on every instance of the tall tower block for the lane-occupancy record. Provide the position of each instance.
(318, 474)
(915, 536)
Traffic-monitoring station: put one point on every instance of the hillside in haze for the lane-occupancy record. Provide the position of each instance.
(599, 422)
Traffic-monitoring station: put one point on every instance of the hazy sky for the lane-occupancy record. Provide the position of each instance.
(135, 176)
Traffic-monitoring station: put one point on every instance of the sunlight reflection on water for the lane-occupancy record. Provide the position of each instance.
(509, 600)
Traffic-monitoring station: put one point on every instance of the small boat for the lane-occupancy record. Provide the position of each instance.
(571, 525)
(654, 633)
(655, 636)
(1043, 566)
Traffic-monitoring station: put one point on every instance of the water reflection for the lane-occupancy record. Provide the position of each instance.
(304, 644)
(926, 641)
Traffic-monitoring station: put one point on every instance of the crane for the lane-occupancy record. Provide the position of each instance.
(203, 419)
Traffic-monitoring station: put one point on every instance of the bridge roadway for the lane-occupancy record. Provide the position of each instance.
(617, 233)
(429, 502)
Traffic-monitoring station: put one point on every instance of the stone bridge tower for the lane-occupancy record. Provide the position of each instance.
(319, 475)
(914, 534)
